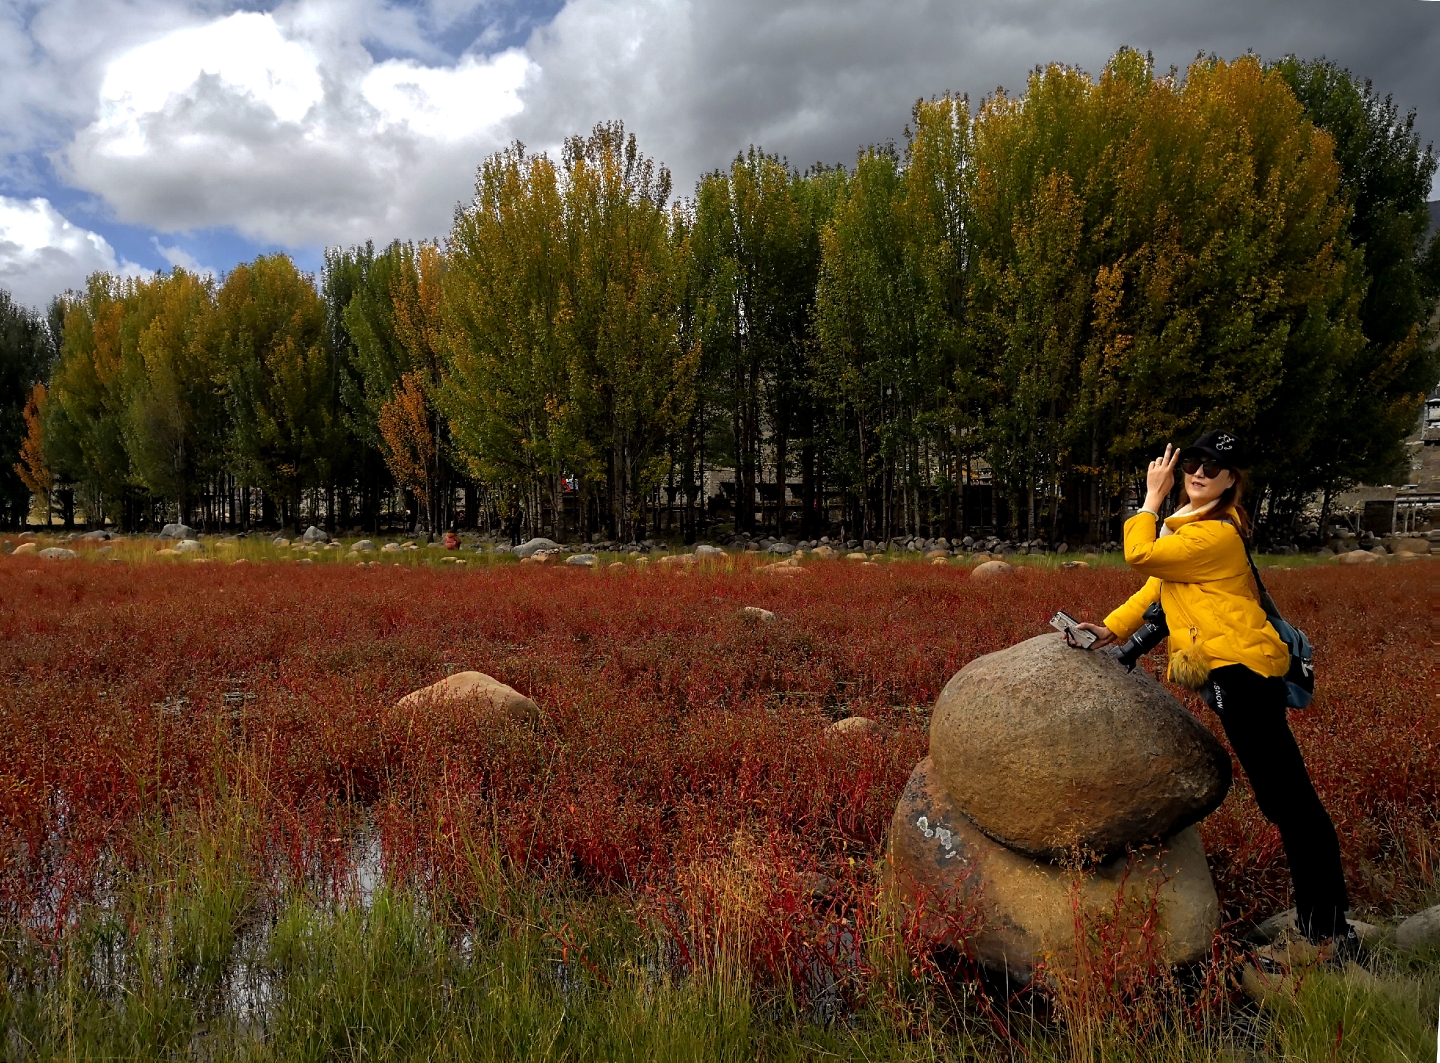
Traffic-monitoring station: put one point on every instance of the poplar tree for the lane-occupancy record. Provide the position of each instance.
(26, 353)
(270, 333)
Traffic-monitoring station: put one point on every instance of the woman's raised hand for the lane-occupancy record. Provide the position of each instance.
(1160, 477)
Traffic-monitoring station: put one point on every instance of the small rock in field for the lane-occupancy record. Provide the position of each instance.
(26, 549)
(677, 559)
(583, 560)
(363, 546)
(168, 552)
(57, 553)
(815, 885)
(1355, 557)
(280, 540)
(825, 553)
(782, 568)
(534, 546)
(857, 555)
(1420, 931)
(190, 546)
(706, 550)
(1074, 564)
(487, 693)
(390, 548)
(1284, 924)
(1407, 545)
(931, 555)
(992, 570)
(617, 566)
(853, 725)
(781, 548)
(754, 612)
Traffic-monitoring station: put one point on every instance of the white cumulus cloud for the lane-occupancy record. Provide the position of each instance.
(42, 254)
(282, 126)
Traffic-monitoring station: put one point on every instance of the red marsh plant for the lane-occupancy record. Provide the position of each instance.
(680, 739)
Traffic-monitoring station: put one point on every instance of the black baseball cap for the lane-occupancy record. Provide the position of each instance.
(1216, 445)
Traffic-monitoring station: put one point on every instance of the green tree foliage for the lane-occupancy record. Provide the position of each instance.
(175, 422)
(892, 357)
(1154, 256)
(26, 351)
(1385, 177)
(85, 415)
(270, 336)
(1045, 289)
(756, 253)
(561, 327)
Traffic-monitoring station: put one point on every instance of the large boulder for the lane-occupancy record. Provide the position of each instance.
(25, 549)
(58, 553)
(177, 531)
(535, 545)
(1049, 748)
(1420, 931)
(1010, 911)
(315, 535)
(991, 570)
(485, 692)
(1407, 546)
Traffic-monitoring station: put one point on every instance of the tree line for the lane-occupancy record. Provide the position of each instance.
(1031, 296)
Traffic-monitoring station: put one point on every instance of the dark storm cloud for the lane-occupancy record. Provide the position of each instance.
(816, 79)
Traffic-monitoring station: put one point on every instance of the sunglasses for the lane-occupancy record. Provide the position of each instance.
(1194, 465)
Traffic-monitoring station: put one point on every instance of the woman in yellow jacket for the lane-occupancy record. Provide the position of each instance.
(1222, 646)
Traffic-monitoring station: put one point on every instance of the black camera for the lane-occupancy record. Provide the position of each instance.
(1147, 636)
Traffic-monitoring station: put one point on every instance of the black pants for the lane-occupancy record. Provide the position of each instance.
(1252, 708)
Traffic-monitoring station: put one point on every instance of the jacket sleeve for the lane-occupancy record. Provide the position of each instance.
(1193, 554)
(1126, 618)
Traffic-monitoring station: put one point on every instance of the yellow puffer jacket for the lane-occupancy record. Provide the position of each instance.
(1202, 579)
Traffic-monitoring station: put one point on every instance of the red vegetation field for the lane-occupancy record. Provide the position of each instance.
(677, 733)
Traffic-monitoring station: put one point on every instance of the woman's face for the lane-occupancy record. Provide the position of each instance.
(1201, 489)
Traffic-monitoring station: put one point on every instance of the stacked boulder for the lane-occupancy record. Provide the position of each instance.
(1053, 772)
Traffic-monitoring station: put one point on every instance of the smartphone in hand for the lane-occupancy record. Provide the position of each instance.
(1076, 635)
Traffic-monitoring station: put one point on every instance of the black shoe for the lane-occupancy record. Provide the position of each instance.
(1342, 948)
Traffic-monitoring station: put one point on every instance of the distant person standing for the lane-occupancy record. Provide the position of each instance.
(1223, 646)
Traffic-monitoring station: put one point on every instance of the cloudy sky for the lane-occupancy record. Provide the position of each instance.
(140, 134)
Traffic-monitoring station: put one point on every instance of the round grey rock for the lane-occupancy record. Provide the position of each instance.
(1049, 748)
(1420, 931)
(534, 546)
